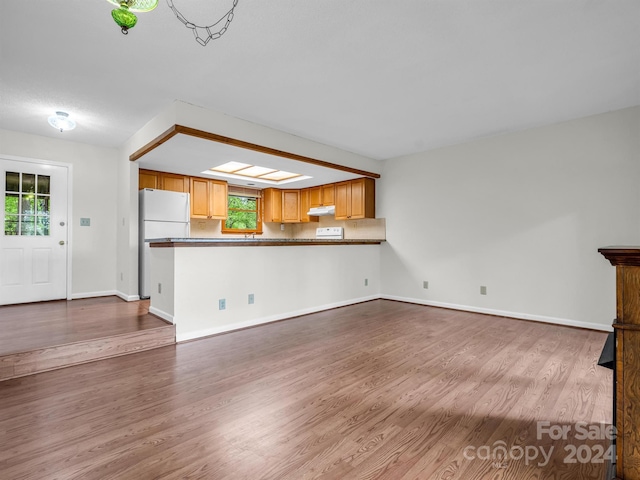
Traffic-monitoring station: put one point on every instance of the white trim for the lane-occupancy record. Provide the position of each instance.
(501, 313)
(69, 168)
(162, 314)
(127, 298)
(106, 293)
(182, 337)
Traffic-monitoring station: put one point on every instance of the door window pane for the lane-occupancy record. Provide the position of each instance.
(42, 205)
(25, 212)
(11, 203)
(11, 225)
(44, 184)
(42, 226)
(28, 225)
(28, 183)
(12, 182)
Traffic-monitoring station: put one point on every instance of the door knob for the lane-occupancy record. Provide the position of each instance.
(61, 242)
(62, 224)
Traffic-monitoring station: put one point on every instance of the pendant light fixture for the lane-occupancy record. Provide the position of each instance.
(123, 15)
(61, 121)
(204, 33)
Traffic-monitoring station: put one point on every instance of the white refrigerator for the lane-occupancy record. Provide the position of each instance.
(162, 214)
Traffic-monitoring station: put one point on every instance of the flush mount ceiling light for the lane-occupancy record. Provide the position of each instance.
(123, 15)
(61, 121)
(204, 33)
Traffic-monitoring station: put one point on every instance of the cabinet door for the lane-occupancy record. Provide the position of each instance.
(174, 182)
(328, 194)
(357, 199)
(305, 205)
(272, 204)
(343, 200)
(315, 196)
(218, 201)
(199, 197)
(148, 179)
(290, 206)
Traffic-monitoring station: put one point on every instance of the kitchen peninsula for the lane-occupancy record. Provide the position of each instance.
(207, 286)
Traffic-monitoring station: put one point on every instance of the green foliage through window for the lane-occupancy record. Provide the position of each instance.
(243, 214)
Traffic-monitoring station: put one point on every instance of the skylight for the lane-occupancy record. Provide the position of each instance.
(256, 173)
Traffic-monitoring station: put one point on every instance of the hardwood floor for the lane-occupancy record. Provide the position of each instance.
(378, 390)
(37, 337)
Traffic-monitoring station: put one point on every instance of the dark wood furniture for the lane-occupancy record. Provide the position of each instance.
(627, 329)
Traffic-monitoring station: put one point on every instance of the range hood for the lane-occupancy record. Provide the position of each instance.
(322, 211)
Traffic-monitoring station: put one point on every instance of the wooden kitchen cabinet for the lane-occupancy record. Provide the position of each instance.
(322, 195)
(290, 206)
(148, 179)
(272, 205)
(355, 199)
(281, 206)
(208, 198)
(305, 205)
(174, 182)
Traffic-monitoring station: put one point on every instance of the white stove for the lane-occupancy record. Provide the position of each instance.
(329, 233)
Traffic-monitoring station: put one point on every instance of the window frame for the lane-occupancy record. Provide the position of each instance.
(258, 211)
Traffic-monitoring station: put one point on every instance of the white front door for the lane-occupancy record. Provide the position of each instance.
(33, 241)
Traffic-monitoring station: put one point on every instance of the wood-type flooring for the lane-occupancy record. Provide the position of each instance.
(377, 390)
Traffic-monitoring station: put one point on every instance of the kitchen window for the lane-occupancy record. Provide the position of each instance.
(243, 213)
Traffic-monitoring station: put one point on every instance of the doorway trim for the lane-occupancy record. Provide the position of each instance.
(69, 168)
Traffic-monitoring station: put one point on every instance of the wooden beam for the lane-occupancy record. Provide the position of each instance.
(193, 132)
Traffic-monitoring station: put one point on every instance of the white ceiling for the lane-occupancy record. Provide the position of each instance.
(381, 78)
(192, 156)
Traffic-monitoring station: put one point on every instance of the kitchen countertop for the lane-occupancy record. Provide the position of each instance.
(255, 242)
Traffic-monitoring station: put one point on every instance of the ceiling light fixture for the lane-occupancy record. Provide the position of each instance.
(61, 121)
(123, 15)
(204, 33)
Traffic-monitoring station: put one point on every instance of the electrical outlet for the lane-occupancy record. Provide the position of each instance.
(159, 288)
(366, 282)
(282, 227)
(425, 284)
(85, 222)
(251, 299)
(483, 290)
(222, 304)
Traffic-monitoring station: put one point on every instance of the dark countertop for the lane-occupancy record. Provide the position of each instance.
(254, 242)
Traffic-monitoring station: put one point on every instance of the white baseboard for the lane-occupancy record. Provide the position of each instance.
(182, 337)
(128, 298)
(162, 314)
(501, 313)
(106, 293)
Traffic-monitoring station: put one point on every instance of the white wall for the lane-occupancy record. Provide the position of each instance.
(522, 214)
(286, 281)
(94, 196)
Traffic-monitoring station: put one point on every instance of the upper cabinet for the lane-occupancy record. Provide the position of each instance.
(322, 195)
(272, 205)
(174, 182)
(305, 205)
(148, 179)
(163, 181)
(355, 199)
(208, 198)
(290, 206)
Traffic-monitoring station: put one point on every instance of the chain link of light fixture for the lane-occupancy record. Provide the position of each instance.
(204, 33)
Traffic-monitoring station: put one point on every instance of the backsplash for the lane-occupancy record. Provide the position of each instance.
(367, 228)
(364, 229)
